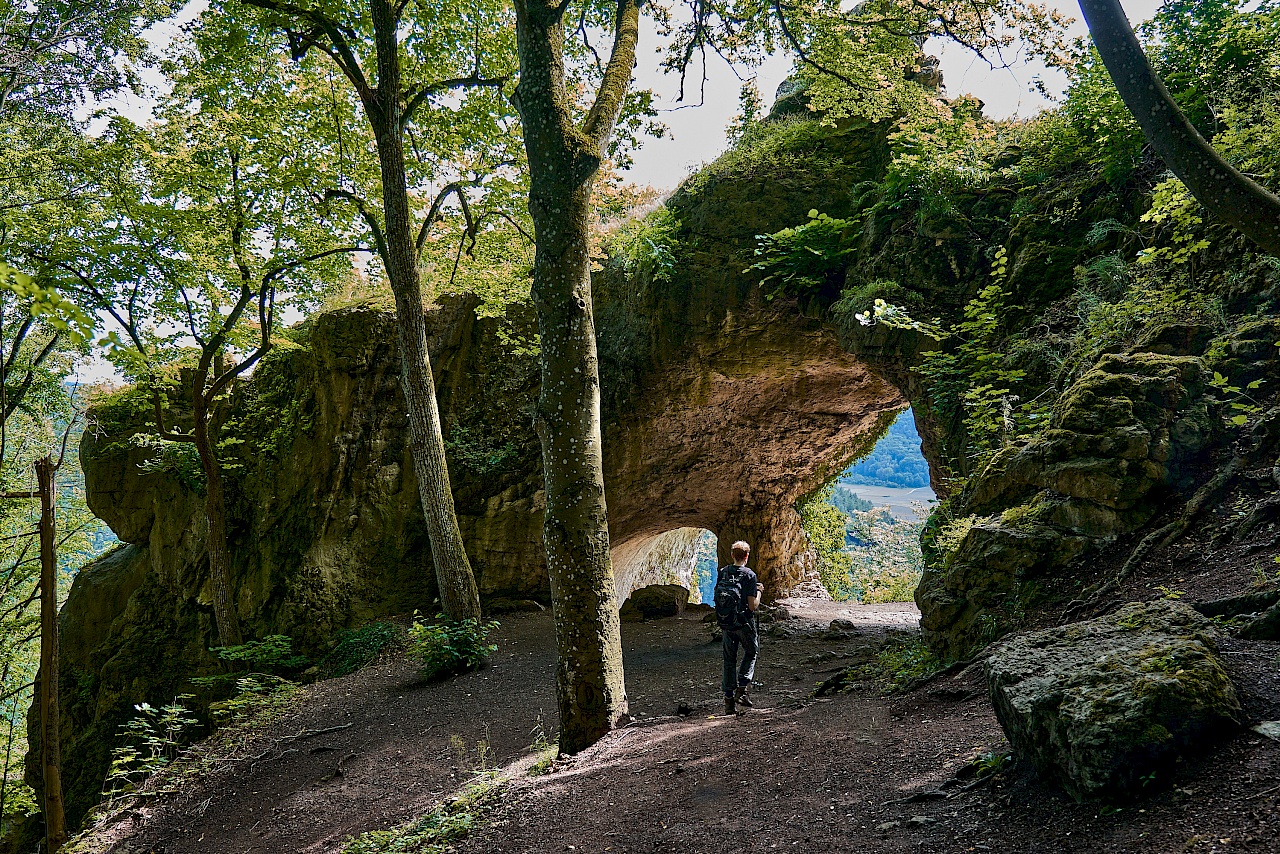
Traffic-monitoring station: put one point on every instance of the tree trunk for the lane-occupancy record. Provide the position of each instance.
(590, 691)
(215, 511)
(1226, 193)
(563, 162)
(55, 820)
(459, 596)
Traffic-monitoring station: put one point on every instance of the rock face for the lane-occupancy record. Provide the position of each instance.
(1120, 440)
(1100, 706)
(669, 558)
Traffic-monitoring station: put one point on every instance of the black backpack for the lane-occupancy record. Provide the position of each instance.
(731, 603)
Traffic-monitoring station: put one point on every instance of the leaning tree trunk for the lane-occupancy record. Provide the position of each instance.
(215, 511)
(55, 820)
(563, 162)
(459, 596)
(1227, 194)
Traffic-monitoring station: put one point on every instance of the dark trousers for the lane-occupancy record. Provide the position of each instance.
(733, 675)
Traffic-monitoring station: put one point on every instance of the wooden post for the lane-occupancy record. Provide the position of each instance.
(55, 819)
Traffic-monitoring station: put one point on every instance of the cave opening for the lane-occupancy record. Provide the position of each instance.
(864, 524)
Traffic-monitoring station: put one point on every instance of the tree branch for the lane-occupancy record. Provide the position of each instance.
(471, 81)
(603, 114)
(339, 48)
(1224, 191)
(379, 239)
(808, 60)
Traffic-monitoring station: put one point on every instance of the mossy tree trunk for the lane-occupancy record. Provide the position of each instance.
(459, 595)
(388, 108)
(1225, 192)
(564, 158)
(55, 819)
(225, 613)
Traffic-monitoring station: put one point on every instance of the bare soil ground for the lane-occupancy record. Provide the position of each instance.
(848, 773)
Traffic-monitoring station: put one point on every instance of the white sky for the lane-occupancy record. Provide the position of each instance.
(697, 135)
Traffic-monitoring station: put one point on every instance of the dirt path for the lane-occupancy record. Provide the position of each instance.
(828, 775)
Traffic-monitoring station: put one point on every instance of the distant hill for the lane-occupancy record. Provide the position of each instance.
(895, 461)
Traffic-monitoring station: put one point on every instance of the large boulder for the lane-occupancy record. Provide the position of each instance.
(655, 602)
(1105, 707)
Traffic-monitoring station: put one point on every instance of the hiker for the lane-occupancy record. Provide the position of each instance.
(737, 596)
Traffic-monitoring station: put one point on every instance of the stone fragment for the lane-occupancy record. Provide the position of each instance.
(1271, 729)
(1105, 707)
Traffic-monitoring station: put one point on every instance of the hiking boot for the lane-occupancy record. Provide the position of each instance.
(742, 699)
(730, 708)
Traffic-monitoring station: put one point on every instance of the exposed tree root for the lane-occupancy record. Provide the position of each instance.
(1265, 626)
(1234, 606)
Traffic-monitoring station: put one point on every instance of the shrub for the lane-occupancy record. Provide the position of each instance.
(450, 648)
(151, 740)
(357, 647)
(272, 654)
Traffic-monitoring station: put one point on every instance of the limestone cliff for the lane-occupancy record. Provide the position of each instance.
(726, 402)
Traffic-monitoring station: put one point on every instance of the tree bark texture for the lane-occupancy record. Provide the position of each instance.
(459, 596)
(1224, 191)
(563, 161)
(55, 820)
(225, 613)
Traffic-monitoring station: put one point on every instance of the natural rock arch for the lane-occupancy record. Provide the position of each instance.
(722, 408)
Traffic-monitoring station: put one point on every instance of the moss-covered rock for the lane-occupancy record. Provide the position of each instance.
(1105, 707)
(1120, 440)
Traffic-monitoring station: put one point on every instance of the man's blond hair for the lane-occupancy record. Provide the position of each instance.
(740, 550)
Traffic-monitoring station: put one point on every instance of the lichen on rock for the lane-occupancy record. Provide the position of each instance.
(1105, 707)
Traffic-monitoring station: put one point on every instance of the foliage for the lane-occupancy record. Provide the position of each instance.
(848, 502)
(765, 148)
(1237, 399)
(648, 245)
(879, 557)
(937, 155)
(473, 451)
(803, 259)
(150, 740)
(47, 412)
(1150, 297)
(974, 379)
(257, 697)
(273, 653)
(952, 532)
(269, 659)
(357, 647)
(824, 525)
(543, 749)
(751, 111)
(905, 661)
(179, 459)
(439, 830)
(1173, 206)
(450, 648)
(705, 565)
(992, 762)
